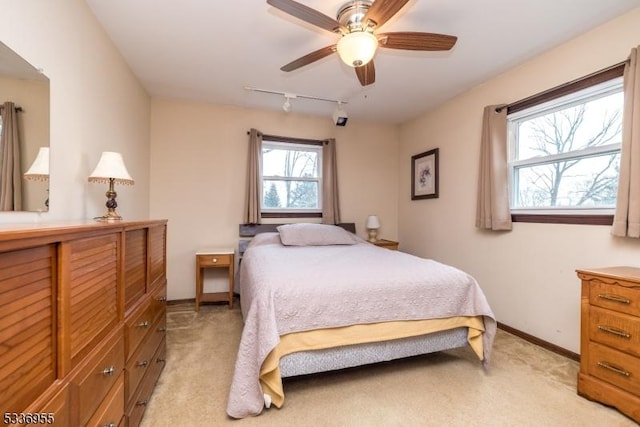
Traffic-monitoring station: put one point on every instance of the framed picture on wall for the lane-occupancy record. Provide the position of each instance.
(424, 175)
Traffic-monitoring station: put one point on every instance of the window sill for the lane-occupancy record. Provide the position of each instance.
(291, 215)
(563, 219)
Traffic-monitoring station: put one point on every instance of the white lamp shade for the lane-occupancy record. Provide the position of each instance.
(111, 165)
(373, 222)
(358, 48)
(39, 170)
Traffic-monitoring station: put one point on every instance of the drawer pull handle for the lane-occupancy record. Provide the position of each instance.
(615, 331)
(107, 372)
(162, 329)
(141, 402)
(615, 298)
(111, 424)
(162, 299)
(214, 259)
(144, 324)
(143, 363)
(615, 369)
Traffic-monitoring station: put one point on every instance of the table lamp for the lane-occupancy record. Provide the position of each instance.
(111, 169)
(39, 170)
(372, 227)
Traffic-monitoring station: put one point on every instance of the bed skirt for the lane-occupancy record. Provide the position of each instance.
(311, 362)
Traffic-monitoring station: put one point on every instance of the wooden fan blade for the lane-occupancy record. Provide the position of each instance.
(416, 41)
(382, 10)
(309, 58)
(306, 14)
(366, 74)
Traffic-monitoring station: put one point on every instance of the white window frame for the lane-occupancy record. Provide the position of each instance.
(579, 97)
(293, 146)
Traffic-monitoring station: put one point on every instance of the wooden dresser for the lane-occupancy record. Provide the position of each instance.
(82, 321)
(610, 338)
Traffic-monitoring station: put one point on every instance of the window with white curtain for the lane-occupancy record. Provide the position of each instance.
(564, 154)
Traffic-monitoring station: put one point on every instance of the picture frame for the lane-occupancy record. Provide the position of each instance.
(424, 175)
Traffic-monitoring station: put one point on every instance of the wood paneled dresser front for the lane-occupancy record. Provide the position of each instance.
(82, 322)
(610, 338)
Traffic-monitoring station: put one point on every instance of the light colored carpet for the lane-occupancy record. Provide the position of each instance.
(525, 386)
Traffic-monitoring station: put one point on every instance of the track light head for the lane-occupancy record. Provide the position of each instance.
(286, 107)
(340, 116)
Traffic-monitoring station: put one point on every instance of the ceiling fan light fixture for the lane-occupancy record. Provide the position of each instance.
(357, 48)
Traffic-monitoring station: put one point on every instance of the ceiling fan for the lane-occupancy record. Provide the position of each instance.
(357, 22)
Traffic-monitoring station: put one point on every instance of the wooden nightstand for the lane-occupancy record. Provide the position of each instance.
(214, 258)
(389, 244)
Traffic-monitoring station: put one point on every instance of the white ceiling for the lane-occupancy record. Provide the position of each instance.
(210, 50)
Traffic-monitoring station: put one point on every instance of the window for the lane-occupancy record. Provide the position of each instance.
(291, 178)
(564, 154)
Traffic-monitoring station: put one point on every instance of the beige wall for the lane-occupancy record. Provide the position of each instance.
(97, 105)
(198, 168)
(528, 274)
(33, 97)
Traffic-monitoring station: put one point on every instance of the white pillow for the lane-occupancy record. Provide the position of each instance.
(305, 234)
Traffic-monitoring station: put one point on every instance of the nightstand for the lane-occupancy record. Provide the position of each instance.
(214, 258)
(389, 244)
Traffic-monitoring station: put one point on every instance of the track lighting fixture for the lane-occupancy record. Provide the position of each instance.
(286, 107)
(340, 116)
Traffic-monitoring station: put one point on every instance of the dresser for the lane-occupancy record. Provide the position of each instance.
(82, 321)
(610, 338)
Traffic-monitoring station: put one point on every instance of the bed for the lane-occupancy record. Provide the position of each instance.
(316, 298)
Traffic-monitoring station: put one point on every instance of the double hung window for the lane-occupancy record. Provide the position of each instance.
(564, 154)
(291, 178)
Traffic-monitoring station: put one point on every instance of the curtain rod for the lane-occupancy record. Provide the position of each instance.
(290, 139)
(17, 108)
(564, 88)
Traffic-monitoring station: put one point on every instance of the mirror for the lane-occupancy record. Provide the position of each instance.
(25, 86)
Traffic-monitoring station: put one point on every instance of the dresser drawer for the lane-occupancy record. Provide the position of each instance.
(111, 410)
(53, 405)
(213, 260)
(614, 367)
(141, 398)
(142, 359)
(137, 327)
(614, 297)
(617, 330)
(97, 376)
(159, 302)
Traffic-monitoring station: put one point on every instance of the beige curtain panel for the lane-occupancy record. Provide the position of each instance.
(11, 173)
(492, 210)
(254, 179)
(626, 221)
(330, 199)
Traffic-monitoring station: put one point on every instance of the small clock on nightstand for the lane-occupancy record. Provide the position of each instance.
(389, 244)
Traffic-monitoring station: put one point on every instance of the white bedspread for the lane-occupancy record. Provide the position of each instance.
(290, 289)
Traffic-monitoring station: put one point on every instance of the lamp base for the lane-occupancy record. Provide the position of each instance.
(111, 205)
(373, 235)
(109, 216)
